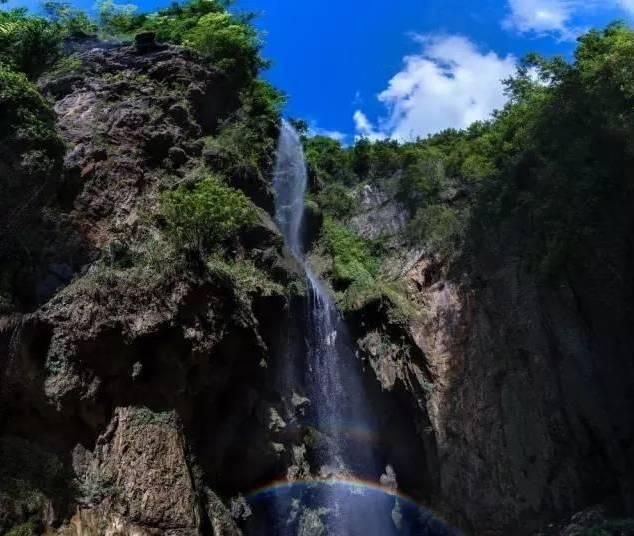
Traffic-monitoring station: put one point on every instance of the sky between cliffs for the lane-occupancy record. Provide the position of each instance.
(406, 68)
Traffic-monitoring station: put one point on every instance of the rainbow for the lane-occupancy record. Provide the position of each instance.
(357, 485)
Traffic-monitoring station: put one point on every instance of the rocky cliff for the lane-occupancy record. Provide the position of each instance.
(522, 389)
(140, 390)
(133, 394)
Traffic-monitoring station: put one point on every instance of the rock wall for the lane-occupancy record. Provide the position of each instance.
(527, 388)
(144, 405)
(521, 387)
(135, 401)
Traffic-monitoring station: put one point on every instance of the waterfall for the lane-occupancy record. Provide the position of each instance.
(345, 496)
(290, 182)
(330, 378)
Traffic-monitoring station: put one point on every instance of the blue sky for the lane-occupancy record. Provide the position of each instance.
(335, 57)
(406, 68)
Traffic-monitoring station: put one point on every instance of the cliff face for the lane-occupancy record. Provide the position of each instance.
(143, 397)
(523, 388)
(128, 393)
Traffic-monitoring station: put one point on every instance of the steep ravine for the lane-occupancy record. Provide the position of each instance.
(135, 403)
(148, 401)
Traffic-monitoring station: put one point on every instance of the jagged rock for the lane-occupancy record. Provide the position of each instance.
(177, 155)
(378, 214)
(145, 42)
(310, 524)
(181, 342)
(222, 521)
(505, 380)
(139, 467)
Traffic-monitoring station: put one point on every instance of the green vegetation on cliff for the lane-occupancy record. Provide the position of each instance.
(230, 42)
(556, 160)
(31, 154)
(217, 142)
(28, 140)
(205, 215)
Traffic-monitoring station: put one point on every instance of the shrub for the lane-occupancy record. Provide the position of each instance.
(206, 215)
(391, 294)
(66, 65)
(118, 20)
(25, 116)
(336, 200)
(246, 277)
(247, 140)
(438, 227)
(29, 145)
(28, 44)
(25, 529)
(232, 45)
(69, 20)
(353, 260)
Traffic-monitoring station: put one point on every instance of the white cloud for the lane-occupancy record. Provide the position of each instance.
(449, 84)
(557, 17)
(542, 16)
(314, 130)
(364, 128)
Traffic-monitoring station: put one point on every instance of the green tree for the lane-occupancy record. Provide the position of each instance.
(353, 260)
(362, 158)
(336, 200)
(206, 215)
(119, 20)
(70, 21)
(28, 44)
(328, 160)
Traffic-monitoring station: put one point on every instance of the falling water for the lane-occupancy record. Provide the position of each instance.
(344, 497)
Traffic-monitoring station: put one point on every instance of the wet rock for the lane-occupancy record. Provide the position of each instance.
(221, 519)
(388, 479)
(177, 156)
(311, 224)
(311, 524)
(145, 42)
(158, 143)
(240, 508)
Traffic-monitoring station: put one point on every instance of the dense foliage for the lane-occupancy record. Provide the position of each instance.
(353, 259)
(27, 43)
(229, 41)
(27, 126)
(206, 215)
(556, 160)
(31, 154)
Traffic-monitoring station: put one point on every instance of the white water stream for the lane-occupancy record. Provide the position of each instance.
(345, 497)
